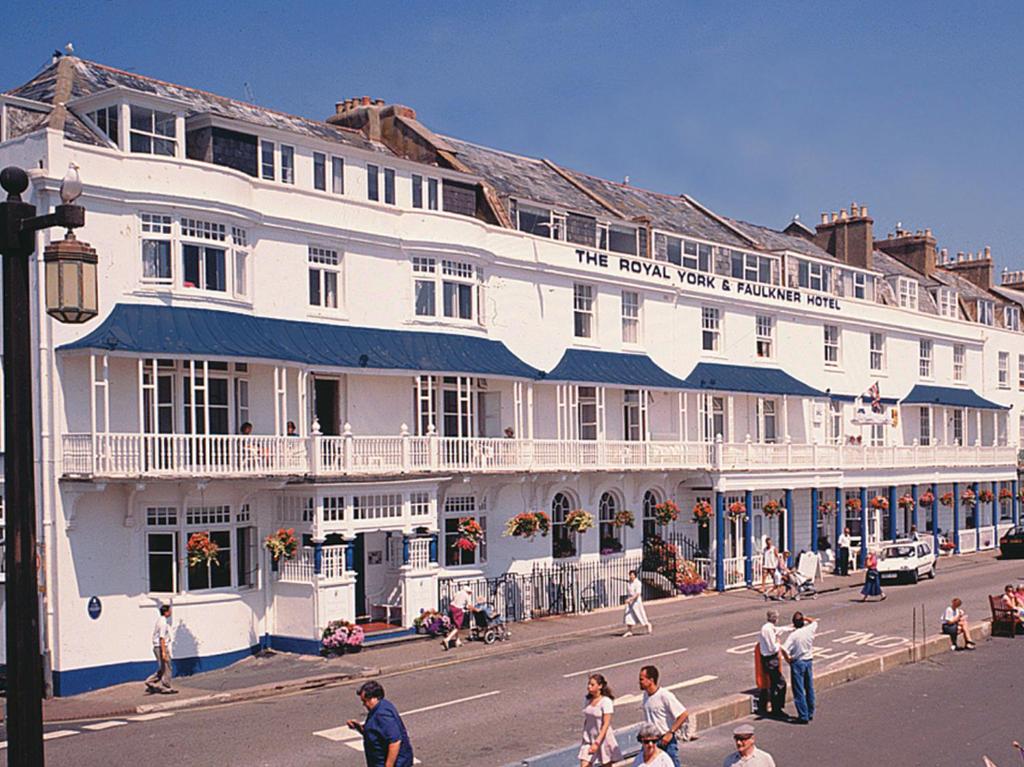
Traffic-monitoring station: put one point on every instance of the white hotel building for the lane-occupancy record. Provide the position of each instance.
(456, 331)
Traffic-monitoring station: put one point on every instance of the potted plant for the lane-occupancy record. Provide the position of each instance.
(738, 509)
(202, 550)
(623, 519)
(340, 637)
(666, 512)
(853, 505)
(986, 496)
(579, 521)
(432, 622)
(968, 498)
(905, 502)
(528, 525)
(702, 512)
(926, 499)
(772, 508)
(879, 503)
(689, 581)
(469, 534)
(281, 545)
(946, 499)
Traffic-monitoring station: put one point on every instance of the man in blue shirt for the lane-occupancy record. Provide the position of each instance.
(385, 741)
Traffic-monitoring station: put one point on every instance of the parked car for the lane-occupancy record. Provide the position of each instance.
(907, 559)
(1012, 542)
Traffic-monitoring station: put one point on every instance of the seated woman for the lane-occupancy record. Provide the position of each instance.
(1012, 602)
(954, 624)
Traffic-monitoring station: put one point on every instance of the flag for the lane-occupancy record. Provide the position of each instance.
(876, 398)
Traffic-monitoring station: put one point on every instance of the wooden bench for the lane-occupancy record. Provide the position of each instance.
(1004, 620)
(393, 602)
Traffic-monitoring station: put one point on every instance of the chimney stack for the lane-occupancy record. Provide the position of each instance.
(916, 250)
(1013, 280)
(847, 236)
(976, 267)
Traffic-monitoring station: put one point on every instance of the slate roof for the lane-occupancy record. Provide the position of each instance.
(891, 268)
(775, 240)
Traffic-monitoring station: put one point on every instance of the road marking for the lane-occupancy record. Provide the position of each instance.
(453, 702)
(623, 700)
(104, 725)
(60, 734)
(150, 717)
(341, 735)
(623, 663)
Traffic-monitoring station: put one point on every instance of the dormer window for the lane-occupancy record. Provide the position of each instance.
(814, 276)
(750, 267)
(152, 131)
(107, 120)
(1011, 318)
(906, 289)
(540, 221)
(617, 238)
(986, 312)
(946, 300)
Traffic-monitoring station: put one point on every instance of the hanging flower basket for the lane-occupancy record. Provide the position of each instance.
(737, 509)
(772, 508)
(702, 512)
(946, 499)
(666, 512)
(469, 534)
(926, 499)
(879, 503)
(432, 622)
(282, 544)
(905, 502)
(1005, 494)
(968, 498)
(340, 637)
(986, 496)
(201, 550)
(528, 525)
(623, 519)
(827, 508)
(853, 505)
(579, 521)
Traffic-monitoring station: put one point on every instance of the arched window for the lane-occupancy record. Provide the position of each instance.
(611, 536)
(650, 526)
(563, 542)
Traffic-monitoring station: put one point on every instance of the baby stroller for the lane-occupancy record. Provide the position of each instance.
(798, 586)
(488, 626)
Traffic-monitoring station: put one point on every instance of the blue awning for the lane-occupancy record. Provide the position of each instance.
(176, 331)
(712, 376)
(949, 396)
(615, 368)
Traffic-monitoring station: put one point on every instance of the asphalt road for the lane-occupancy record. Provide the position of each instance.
(493, 710)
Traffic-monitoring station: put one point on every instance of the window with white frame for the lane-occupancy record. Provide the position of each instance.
(750, 267)
(711, 329)
(877, 435)
(337, 175)
(107, 120)
(946, 300)
(877, 352)
(287, 164)
(924, 358)
(831, 345)
(1020, 372)
(373, 182)
(563, 540)
(542, 222)
(268, 163)
(156, 248)
(986, 312)
(1004, 370)
(203, 265)
(630, 317)
(925, 430)
(610, 535)
(583, 310)
(765, 325)
(424, 192)
(320, 171)
(457, 282)
(389, 186)
(152, 131)
(633, 425)
(691, 255)
(324, 277)
(958, 427)
(617, 238)
(587, 412)
(240, 257)
(959, 361)
(767, 421)
(907, 292)
(860, 285)
(1011, 318)
(456, 508)
(835, 422)
(814, 276)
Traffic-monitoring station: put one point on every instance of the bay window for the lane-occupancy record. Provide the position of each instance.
(457, 283)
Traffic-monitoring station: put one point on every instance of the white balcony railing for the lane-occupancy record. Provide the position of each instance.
(179, 455)
(302, 567)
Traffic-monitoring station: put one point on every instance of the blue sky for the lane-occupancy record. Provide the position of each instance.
(759, 110)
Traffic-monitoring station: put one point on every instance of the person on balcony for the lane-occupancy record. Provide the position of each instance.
(246, 429)
(872, 579)
(293, 430)
(635, 614)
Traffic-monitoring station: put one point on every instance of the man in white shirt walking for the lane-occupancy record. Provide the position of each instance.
(798, 649)
(769, 566)
(663, 710)
(160, 681)
(771, 665)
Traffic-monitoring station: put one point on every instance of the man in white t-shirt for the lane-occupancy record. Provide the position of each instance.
(771, 665)
(798, 649)
(769, 565)
(160, 681)
(663, 710)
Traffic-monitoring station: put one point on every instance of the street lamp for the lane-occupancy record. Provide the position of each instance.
(71, 289)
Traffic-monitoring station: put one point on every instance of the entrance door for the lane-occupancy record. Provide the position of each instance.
(359, 556)
(325, 397)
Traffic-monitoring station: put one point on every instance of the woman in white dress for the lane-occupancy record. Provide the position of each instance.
(635, 614)
(599, 744)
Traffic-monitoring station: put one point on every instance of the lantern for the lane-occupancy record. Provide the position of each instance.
(71, 290)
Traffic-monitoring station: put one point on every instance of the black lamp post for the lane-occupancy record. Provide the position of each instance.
(70, 268)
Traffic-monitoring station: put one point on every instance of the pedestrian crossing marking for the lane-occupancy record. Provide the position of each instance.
(340, 734)
(104, 725)
(622, 700)
(59, 734)
(150, 717)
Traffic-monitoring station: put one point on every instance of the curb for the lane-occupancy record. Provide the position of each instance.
(739, 706)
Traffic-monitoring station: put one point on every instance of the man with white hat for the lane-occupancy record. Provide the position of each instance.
(747, 754)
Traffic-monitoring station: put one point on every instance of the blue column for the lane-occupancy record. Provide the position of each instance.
(1015, 504)
(995, 509)
(405, 549)
(935, 518)
(433, 548)
(748, 539)
(893, 532)
(956, 517)
(814, 518)
(863, 553)
(977, 510)
(350, 556)
(790, 526)
(719, 542)
(318, 557)
(913, 511)
(840, 519)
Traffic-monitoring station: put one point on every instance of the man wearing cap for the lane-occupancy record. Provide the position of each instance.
(747, 754)
(771, 664)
